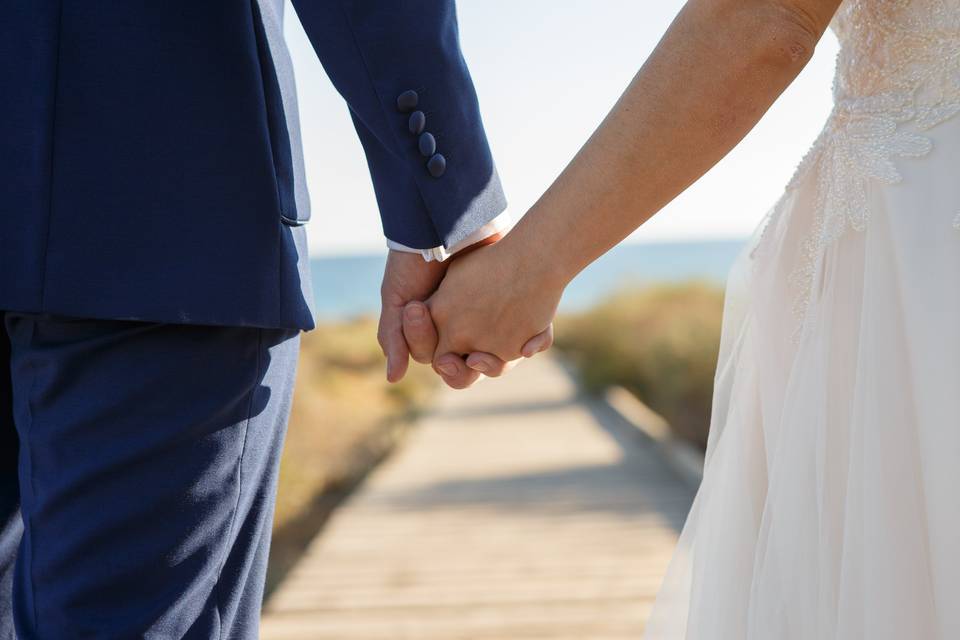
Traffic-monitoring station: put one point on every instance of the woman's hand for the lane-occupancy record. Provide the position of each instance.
(492, 301)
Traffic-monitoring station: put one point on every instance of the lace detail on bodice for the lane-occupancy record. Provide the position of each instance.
(898, 75)
(901, 56)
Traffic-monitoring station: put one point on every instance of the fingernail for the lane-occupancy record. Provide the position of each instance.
(479, 365)
(414, 312)
(448, 369)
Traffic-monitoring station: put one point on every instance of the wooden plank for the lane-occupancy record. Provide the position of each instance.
(516, 510)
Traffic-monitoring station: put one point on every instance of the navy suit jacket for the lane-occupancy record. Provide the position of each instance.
(151, 165)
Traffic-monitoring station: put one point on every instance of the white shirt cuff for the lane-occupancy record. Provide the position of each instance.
(500, 224)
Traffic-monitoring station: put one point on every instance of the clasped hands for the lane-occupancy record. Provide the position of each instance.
(473, 314)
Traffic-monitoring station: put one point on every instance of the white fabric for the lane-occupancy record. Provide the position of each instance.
(829, 508)
(500, 224)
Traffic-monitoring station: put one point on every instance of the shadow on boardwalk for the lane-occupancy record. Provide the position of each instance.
(517, 510)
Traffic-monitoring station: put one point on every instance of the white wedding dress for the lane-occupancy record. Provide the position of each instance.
(830, 504)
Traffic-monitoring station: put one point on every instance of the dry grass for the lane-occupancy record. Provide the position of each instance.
(660, 343)
(345, 418)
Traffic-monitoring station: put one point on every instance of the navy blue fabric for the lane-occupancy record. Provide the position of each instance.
(11, 526)
(146, 158)
(375, 50)
(148, 458)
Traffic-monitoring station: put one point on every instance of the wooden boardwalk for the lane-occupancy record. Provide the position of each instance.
(518, 510)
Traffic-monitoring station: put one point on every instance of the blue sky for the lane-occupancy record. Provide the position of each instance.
(547, 72)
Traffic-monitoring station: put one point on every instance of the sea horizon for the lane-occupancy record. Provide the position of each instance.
(348, 286)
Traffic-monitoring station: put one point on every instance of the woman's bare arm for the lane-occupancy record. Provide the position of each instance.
(717, 70)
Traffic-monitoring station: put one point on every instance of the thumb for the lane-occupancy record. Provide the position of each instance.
(419, 332)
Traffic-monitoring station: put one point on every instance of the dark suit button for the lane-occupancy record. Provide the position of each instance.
(428, 145)
(407, 101)
(437, 165)
(417, 122)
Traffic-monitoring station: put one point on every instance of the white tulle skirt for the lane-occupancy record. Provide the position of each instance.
(830, 504)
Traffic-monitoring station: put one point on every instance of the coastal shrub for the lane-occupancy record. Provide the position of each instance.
(661, 343)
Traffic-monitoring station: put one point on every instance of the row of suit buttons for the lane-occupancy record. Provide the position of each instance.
(417, 123)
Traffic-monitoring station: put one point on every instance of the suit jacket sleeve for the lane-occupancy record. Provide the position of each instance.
(377, 50)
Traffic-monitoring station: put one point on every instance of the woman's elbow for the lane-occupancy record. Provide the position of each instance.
(768, 40)
(793, 28)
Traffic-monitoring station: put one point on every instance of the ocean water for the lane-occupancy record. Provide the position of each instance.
(349, 286)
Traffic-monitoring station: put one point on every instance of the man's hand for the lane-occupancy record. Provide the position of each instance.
(407, 277)
(402, 334)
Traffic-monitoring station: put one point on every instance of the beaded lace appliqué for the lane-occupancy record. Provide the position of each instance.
(898, 75)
